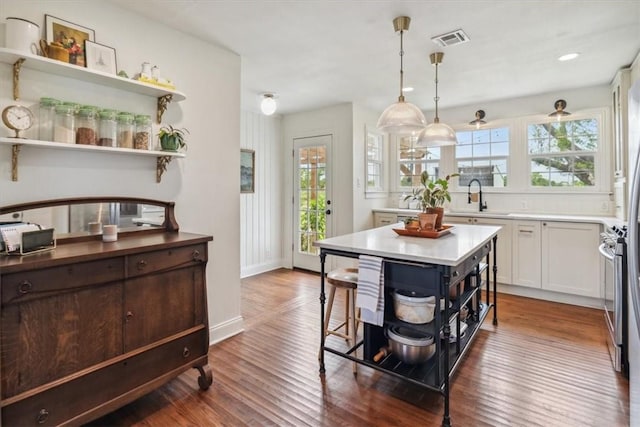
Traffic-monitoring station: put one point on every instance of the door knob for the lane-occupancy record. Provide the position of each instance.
(328, 211)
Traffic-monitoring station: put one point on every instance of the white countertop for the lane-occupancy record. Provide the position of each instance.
(450, 249)
(605, 220)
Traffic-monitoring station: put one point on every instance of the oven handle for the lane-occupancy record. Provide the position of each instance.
(603, 251)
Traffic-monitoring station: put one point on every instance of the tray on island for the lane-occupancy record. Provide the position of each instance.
(432, 234)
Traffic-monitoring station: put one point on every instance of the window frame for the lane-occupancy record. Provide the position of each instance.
(509, 126)
(372, 192)
(601, 154)
(397, 161)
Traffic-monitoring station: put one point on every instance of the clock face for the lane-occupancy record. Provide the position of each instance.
(17, 117)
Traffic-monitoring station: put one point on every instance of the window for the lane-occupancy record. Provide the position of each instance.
(483, 154)
(413, 160)
(562, 154)
(375, 162)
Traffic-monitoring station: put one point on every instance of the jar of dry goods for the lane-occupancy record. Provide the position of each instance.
(107, 128)
(143, 132)
(126, 129)
(86, 127)
(64, 124)
(47, 117)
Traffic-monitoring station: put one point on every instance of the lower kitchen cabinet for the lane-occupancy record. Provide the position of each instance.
(570, 258)
(383, 218)
(504, 251)
(526, 262)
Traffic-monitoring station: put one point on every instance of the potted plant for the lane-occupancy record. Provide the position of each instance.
(172, 139)
(433, 195)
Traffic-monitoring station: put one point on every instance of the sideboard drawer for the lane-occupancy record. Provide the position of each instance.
(27, 285)
(166, 259)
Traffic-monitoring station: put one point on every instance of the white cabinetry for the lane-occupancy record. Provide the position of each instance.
(619, 89)
(383, 218)
(570, 259)
(526, 261)
(503, 253)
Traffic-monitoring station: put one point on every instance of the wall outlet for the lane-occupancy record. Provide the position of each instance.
(604, 206)
(524, 204)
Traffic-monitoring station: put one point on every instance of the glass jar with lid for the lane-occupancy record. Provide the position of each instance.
(126, 129)
(47, 117)
(86, 127)
(107, 128)
(143, 132)
(64, 124)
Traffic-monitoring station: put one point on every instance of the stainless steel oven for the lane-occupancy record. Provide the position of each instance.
(613, 249)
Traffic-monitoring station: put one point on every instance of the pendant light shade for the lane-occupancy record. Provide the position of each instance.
(436, 134)
(401, 118)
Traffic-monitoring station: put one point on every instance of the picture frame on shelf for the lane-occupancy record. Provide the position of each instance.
(100, 57)
(247, 170)
(71, 36)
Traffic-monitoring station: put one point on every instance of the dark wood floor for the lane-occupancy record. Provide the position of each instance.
(545, 364)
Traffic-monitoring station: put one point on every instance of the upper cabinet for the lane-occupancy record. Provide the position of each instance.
(164, 96)
(619, 98)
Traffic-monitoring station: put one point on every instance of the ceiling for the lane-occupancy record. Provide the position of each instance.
(318, 53)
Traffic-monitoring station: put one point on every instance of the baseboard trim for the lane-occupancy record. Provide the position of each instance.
(252, 270)
(550, 296)
(227, 329)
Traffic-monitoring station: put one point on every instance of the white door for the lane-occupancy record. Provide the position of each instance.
(311, 199)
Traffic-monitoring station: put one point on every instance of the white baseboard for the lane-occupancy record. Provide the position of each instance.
(252, 270)
(524, 291)
(224, 330)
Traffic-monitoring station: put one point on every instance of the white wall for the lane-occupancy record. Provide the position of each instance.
(336, 121)
(261, 213)
(204, 185)
(364, 118)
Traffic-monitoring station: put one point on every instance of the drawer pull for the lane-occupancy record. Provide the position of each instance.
(185, 352)
(196, 255)
(455, 273)
(142, 264)
(25, 287)
(129, 315)
(42, 416)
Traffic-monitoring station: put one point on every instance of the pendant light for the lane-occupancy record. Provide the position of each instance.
(436, 134)
(401, 118)
(478, 121)
(560, 105)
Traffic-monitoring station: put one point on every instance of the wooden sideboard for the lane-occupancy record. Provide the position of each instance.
(91, 326)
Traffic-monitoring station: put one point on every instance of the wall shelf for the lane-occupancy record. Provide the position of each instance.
(163, 158)
(21, 60)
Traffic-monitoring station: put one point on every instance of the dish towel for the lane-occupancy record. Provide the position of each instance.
(370, 295)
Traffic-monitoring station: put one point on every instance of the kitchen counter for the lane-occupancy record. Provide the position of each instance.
(604, 220)
(449, 249)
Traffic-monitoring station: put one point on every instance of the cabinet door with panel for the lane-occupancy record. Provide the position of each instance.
(503, 253)
(570, 258)
(526, 262)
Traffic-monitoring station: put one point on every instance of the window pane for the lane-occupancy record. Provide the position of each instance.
(484, 149)
(464, 138)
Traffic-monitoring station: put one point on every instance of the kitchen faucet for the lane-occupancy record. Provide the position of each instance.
(481, 205)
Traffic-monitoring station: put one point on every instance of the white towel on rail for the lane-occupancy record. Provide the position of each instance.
(371, 289)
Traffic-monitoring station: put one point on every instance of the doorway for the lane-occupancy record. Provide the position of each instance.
(311, 199)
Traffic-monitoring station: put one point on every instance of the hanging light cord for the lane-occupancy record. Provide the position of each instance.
(436, 98)
(401, 97)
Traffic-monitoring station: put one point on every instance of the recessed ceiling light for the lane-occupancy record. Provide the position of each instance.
(569, 56)
(407, 89)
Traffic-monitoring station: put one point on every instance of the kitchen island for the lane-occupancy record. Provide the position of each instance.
(453, 268)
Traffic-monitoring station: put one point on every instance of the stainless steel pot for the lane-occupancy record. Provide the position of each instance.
(409, 346)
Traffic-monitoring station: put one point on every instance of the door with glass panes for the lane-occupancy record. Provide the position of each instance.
(311, 199)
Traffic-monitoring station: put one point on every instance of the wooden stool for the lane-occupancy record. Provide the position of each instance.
(347, 279)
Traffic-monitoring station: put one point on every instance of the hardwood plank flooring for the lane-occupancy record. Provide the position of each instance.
(545, 364)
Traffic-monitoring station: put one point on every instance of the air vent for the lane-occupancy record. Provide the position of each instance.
(451, 38)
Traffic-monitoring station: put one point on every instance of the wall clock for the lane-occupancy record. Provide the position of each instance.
(17, 118)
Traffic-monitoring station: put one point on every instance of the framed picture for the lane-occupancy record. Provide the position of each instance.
(71, 36)
(247, 171)
(100, 57)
